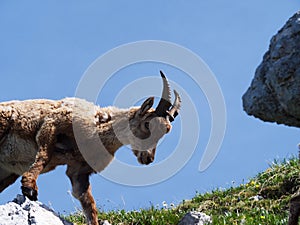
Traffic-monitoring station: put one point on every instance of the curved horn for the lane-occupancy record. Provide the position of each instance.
(174, 111)
(165, 100)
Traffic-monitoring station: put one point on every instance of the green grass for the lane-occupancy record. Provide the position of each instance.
(231, 206)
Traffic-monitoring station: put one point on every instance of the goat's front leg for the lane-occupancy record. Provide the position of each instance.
(82, 191)
(45, 140)
(294, 210)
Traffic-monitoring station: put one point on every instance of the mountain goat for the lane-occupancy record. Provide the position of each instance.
(38, 135)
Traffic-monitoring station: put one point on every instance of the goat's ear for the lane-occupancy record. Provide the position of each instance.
(147, 104)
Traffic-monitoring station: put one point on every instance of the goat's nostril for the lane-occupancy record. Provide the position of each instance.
(150, 159)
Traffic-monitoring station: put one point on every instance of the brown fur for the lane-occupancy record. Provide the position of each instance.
(294, 210)
(38, 135)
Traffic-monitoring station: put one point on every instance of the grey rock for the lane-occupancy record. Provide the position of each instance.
(23, 211)
(274, 94)
(195, 218)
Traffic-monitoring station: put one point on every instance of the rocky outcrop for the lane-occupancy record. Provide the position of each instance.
(274, 94)
(195, 218)
(23, 211)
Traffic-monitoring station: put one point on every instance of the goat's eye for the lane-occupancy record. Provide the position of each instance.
(147, 125)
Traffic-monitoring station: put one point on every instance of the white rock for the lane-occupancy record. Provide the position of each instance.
(23, 211)
(195, 218)
(256, 198)
(105, 222)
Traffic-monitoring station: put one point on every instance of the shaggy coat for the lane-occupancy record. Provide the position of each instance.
(38, 135)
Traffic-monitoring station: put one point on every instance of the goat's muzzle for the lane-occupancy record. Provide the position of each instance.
(145, 157)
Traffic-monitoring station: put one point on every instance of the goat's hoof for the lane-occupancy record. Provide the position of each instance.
(29, 193)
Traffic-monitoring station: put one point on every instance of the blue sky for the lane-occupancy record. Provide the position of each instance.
(47, 46)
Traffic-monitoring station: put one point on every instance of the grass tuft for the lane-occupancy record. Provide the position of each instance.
(262, 200)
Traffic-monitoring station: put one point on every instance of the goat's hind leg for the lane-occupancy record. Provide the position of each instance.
(45, 140)
(6, 178)
(82, 191)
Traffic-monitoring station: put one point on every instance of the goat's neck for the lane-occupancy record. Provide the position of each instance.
(114, 127)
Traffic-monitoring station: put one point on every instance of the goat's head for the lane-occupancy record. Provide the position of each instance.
(148, 125)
